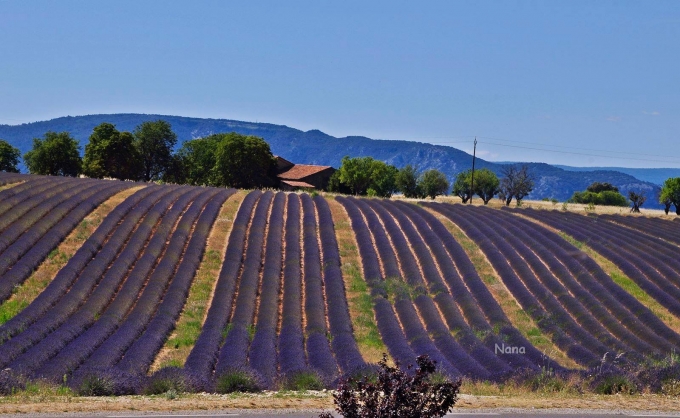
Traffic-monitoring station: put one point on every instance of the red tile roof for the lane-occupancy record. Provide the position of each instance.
(297, 184)
(300, 171)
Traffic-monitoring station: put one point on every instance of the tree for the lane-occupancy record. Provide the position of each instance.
(486, 184)
(636, 200)
(407, 182)
(516, 183)
(362, 174)
(9, 157)
(154, 142)
(597, 187)
(383, 180)
(670, 194)
(198, 158)
(461, 186)
(58, 154)
(244, 162)
(110, 153)
(433, 183)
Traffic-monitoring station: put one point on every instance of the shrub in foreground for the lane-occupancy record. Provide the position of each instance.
(237, 380)
(397, 393)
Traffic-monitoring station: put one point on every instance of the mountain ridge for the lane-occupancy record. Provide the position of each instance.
(316, 147)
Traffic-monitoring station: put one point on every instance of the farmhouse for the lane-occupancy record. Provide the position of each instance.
(302, 176)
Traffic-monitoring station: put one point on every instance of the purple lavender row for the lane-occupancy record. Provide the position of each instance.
(477, 303)
(558, 302)
(583, 284)
(386, 321)
(32, 248)
(262, 356)
(10, 178)
(87, 342)
(344, 346)
(448, 301)
(317, 346)
(411, 306)
(65, 278)
(141, 354)
(588, 311)
(39, 226)
(291, 351)
(103, 284)
(17, 221)
(413, 329)
(149, 276)
(630, 261)
(556, 323)
(614, 294)
(201, 361)
(117, 281)
(234, 351)
(12, 197)
(650, 226)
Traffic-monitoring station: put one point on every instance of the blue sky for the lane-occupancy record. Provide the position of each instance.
(564, 82)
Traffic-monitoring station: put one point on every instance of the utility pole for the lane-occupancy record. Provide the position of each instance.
(472, 180)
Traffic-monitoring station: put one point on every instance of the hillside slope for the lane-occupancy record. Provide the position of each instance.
(316, 147)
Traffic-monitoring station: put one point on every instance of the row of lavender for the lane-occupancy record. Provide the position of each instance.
(567, 293)
(117, 299)
(649, 260)
(279, 283)
(439, 305)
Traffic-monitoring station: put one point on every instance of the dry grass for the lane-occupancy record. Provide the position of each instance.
(189, 324)
(58, 258)
(56, 400)
(359, 300)
(517, 316)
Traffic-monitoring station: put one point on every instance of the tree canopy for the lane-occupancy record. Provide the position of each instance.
(243, 162)
(597, 187)
(516, 183)
(9, 157)
(198, 158)
(461, 186)
(597, 193)
(155, 141)
(486, 184)
(433, 183)
(57, 154)
(407, 182)
(110, 153)
(670, 194)
(365, 174)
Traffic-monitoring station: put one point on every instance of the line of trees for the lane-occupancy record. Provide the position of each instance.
(365, 176)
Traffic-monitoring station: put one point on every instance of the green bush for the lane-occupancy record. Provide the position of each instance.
(237, 381)
(304, 380)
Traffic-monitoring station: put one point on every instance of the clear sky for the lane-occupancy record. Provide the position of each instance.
(586, 78)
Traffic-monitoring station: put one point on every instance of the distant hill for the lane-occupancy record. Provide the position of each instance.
(316, 147)
(652, 175)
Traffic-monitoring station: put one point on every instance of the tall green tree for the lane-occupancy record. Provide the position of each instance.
(433, 183)
(198, 158)
(461, 186)
(57, 154)
(486, 184)
(9, 157)
(244, 162)
(407, 182)
(155, 141)
(110, 153)
(365, 175)
(670, 194)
